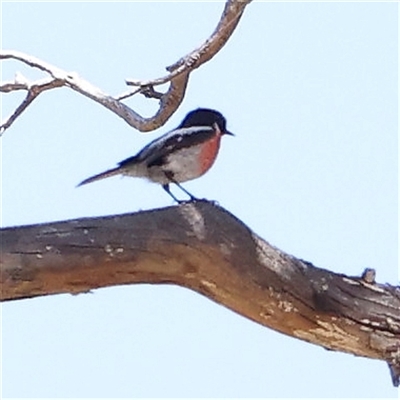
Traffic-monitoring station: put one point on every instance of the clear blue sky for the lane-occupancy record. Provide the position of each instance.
(311, 91)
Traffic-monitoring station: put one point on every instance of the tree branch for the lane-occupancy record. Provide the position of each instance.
(168, 101)
(202, 247)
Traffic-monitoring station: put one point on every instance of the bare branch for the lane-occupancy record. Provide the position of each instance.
(203, 247)
(227, 24)
(34, 89)
(73, 81)
(169, 101)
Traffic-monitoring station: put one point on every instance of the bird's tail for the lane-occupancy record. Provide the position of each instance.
(102, 175)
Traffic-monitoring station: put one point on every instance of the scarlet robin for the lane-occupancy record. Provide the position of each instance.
(180, 155)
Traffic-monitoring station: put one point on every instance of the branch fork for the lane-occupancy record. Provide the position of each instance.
(169, 101)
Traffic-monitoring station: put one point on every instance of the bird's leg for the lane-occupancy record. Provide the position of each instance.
(172, 180)
(167, 189)
(192, 198)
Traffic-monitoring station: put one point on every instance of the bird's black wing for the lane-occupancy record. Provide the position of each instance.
(128, 161)
(156, 151)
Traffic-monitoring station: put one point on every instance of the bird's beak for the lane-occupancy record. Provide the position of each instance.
(216, 127)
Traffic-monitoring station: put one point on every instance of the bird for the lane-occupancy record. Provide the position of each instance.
(185, 153)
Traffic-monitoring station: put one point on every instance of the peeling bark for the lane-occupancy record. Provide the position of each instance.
(203, 247)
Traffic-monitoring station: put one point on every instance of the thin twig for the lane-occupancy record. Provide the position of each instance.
(33, 91)
(227, 24)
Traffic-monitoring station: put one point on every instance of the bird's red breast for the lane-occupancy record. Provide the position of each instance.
(209, 151)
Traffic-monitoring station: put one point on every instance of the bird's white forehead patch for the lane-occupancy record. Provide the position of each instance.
(194, 218)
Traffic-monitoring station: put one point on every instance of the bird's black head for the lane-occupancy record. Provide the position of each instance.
(205, 117)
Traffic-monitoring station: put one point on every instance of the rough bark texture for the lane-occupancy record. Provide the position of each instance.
(203, 247)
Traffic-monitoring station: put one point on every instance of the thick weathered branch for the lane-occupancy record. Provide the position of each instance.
(168, 101)
(202, 247)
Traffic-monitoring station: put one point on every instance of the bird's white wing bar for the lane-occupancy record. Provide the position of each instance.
(177, 138)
